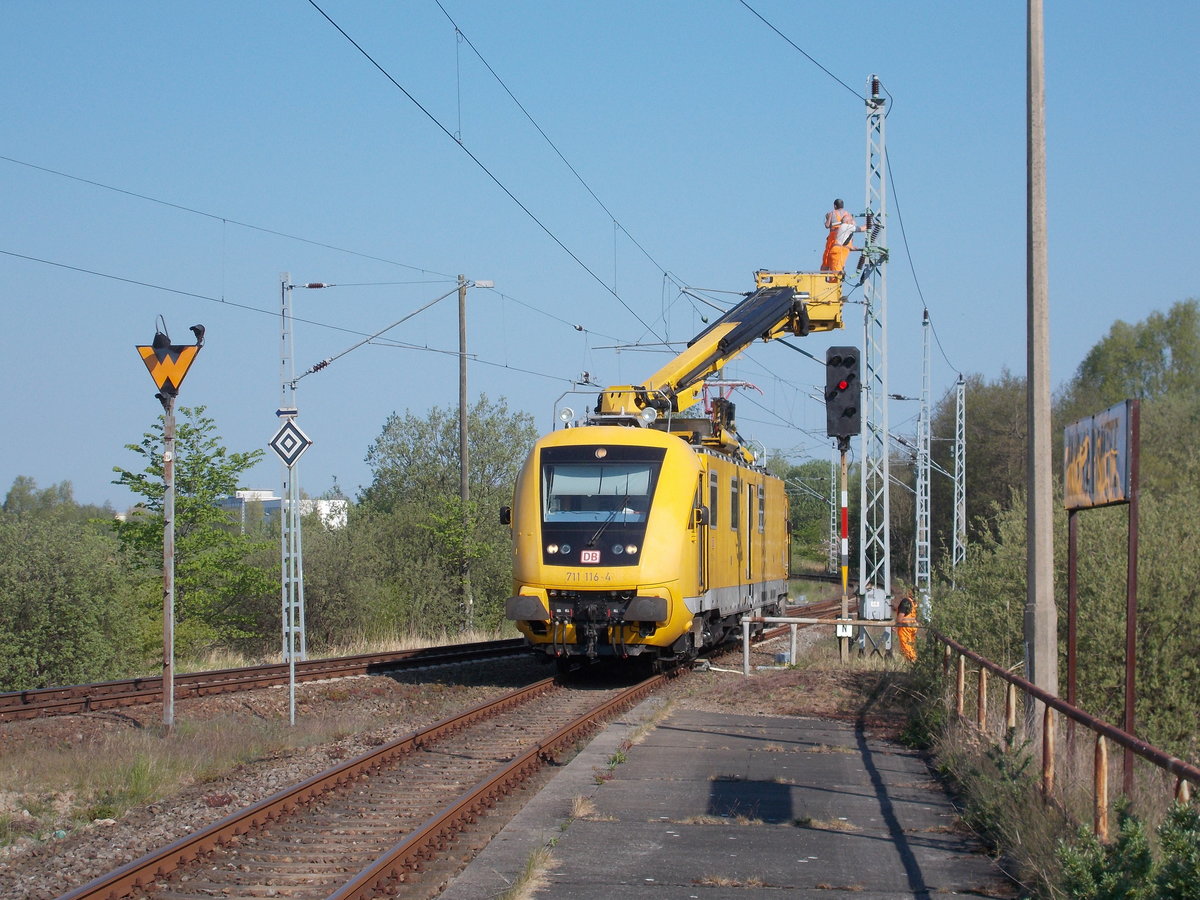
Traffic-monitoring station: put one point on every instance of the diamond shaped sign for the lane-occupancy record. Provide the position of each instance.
(290, 442)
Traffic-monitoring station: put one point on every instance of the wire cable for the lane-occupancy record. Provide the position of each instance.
(616, 223)
(273, 312)
(802, 51)
(911, 266)
(217, 218)
(482, 167)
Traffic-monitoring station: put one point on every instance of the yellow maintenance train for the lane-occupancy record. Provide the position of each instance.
(645, 533)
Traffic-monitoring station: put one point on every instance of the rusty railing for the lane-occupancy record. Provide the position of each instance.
(1185, 774)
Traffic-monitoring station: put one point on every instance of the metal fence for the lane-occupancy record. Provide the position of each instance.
(955, 657)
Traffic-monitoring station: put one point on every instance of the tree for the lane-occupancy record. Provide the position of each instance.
(807, 487)
(68, 610)
(220, 594)
(1153, 358)
(995, 443)
(413, 509)
(57, 501)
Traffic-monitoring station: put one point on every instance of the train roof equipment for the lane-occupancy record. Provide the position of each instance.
(783, 303)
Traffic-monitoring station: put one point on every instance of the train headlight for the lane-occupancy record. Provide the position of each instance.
(552, 548)
(565, 549)
(631, 549)
(618, 549)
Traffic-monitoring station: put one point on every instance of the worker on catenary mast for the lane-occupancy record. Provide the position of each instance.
(834, 219)
(840, 243)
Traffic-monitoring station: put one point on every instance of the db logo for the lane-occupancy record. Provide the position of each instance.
(589, 556)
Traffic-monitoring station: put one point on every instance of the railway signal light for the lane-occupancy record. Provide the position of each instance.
(843, 391)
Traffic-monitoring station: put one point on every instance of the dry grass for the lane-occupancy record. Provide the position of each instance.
(582, 807)
(826, 824)
(753, 881)
(228, 659)
(532, 877)
(831, 748)
(61, 788)
(739, 820)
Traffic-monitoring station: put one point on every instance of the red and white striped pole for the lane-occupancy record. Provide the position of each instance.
(844, 640)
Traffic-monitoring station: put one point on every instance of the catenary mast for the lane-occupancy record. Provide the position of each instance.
(874, 553)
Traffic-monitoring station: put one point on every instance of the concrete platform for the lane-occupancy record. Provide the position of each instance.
(709, 805)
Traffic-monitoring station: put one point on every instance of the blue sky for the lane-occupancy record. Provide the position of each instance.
(714, 145)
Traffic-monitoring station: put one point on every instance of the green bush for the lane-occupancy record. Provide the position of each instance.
(1127, 869)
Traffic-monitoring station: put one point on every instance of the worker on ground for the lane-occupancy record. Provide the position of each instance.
(906, 631)
(834, 220)
(843, 240)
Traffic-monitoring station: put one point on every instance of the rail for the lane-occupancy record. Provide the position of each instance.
(1185, 773)
(426, 842)
(72, 699)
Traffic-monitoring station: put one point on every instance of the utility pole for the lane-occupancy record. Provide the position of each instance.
(1041, 634)
(874, 549)
(464, 470)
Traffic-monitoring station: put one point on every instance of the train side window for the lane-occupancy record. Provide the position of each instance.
(734, 507)
(762, 508)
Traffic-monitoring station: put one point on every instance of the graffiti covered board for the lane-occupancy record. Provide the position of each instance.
(1096, 455)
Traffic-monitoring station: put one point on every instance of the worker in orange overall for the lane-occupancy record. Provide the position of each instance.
(906, 632)
(838, 244)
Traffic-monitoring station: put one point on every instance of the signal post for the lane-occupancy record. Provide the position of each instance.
(843, 390)
(168, 364)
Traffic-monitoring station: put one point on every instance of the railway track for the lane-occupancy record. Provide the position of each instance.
(17, 705)
(74, 699)
(330, 818)
(371, 824)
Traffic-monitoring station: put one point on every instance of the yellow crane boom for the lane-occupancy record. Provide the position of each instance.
(784, 303)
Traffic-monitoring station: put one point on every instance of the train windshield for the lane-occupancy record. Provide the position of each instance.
(597, 484)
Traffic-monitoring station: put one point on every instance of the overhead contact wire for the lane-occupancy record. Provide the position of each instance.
(482, 167)
(268, 312)
(801, 50)
(553, 146)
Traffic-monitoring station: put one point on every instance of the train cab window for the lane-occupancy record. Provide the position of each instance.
(762, 508)
(588, 484)
(714, 497)
(734, 506)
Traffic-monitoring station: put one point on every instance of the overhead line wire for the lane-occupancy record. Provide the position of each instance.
(223, 219)
(801, 50)
(553, 146)
(911, 266)
(891, 180)
(482, 167)
(269, 312)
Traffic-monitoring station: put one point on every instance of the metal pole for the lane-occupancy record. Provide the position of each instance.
(959, 550)
(464, 469)
(924, 475)
(874, 552)
(1072, 619)
(285, 402)
(1131, 576)
(834, 532)
(844, 641)
(1041, 643)
(745, 645)
(168, 666)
